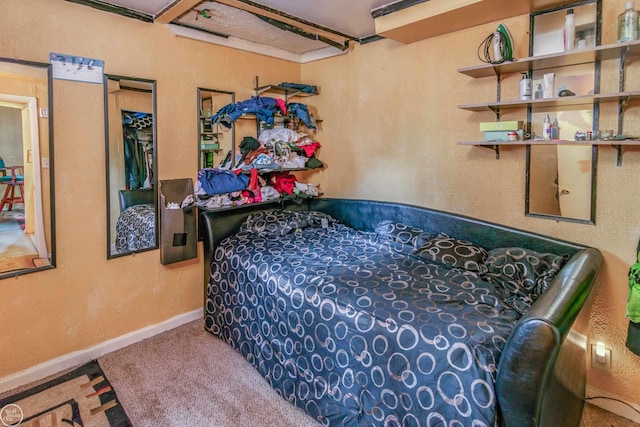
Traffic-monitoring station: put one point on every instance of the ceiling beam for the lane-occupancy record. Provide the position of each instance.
(176, 10)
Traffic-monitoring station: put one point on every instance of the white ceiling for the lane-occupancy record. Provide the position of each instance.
(338, 21)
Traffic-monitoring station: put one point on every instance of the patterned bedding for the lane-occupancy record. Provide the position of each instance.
(135, 228)
(357, 330)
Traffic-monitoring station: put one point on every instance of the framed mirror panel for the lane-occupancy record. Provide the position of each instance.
(561, 178)
(130, 146)
(27, 222)
(215, 141)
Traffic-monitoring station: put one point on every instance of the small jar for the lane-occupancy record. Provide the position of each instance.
(512, 136)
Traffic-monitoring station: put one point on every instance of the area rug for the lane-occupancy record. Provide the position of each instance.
(80, 398)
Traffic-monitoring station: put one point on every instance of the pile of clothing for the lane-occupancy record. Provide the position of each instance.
(237, 181)
(265, 109)
(276, 149)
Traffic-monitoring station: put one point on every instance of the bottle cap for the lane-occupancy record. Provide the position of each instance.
(628, 5)
(569, 11)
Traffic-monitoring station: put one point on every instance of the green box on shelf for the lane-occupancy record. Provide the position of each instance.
(501, 135)
(507, 125)
(209, 146)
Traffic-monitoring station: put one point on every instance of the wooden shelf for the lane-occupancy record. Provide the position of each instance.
(618, 144)
(614, 142)
(562, 59)
(281, 199)
(281, 90)
(567, 101)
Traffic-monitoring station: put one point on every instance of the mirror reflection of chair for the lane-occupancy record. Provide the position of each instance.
(12, 180)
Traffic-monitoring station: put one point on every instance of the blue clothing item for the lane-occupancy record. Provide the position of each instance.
(300, 111)
(299, 86)
(216, 181)
(262, 106)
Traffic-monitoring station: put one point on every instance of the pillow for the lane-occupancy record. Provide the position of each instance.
(402, 233)
(520, 275)
(452, 252)
(280, 221)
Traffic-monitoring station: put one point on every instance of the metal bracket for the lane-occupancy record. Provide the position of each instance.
(493, 147)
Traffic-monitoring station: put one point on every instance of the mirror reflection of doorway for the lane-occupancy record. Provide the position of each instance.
(22, 238)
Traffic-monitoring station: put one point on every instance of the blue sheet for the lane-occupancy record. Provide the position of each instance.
(358, 332)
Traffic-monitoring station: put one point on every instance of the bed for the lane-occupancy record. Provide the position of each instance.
(136, 224)
(374, 313)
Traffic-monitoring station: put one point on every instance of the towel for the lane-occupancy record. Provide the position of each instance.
(633, 301)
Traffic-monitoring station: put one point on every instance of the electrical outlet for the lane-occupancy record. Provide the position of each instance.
(45, 162)
(44, 113)
(601, 359)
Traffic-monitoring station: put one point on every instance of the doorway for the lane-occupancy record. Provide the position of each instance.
(22, 238)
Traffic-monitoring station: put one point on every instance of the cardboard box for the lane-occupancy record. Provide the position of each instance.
(178, 237)
(509, 125)
(501, 135)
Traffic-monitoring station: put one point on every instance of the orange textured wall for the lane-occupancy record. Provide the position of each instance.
(390, 129)
(88, 299)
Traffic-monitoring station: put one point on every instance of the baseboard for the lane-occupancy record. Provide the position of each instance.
(613, 404)
(76, 358)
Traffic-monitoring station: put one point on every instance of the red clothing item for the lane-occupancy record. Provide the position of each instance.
(309, 149)
(284, 182)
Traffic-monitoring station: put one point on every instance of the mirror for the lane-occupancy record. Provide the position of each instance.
(215, 141)
(130, 145)
(560, 180)
(27, 224)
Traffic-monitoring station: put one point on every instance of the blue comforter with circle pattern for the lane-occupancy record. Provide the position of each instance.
(356, 330)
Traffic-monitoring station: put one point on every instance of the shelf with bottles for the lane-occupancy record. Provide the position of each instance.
(555, 60)
(551, 103)
(618, 144)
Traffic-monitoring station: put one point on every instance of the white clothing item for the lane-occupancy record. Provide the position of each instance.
(308, 189)
(197, 189)
(293, 161)
(280, 134)
(269, 193)
(188, 201)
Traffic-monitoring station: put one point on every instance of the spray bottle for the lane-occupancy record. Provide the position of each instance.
(546, 127)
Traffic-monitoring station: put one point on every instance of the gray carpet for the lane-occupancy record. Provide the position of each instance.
(188, 377)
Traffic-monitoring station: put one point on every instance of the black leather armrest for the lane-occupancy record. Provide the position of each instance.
(532, 359)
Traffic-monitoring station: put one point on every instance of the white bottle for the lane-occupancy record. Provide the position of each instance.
(628, 24)
(569, 31)
(546, 127)
(525, 87)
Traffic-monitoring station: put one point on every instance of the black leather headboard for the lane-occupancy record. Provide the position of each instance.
(130, 198)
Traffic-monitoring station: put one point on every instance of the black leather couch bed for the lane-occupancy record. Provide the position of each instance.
(341, 344)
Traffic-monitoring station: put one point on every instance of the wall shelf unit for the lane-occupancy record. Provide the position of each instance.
(620, 51)
(285, 93)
